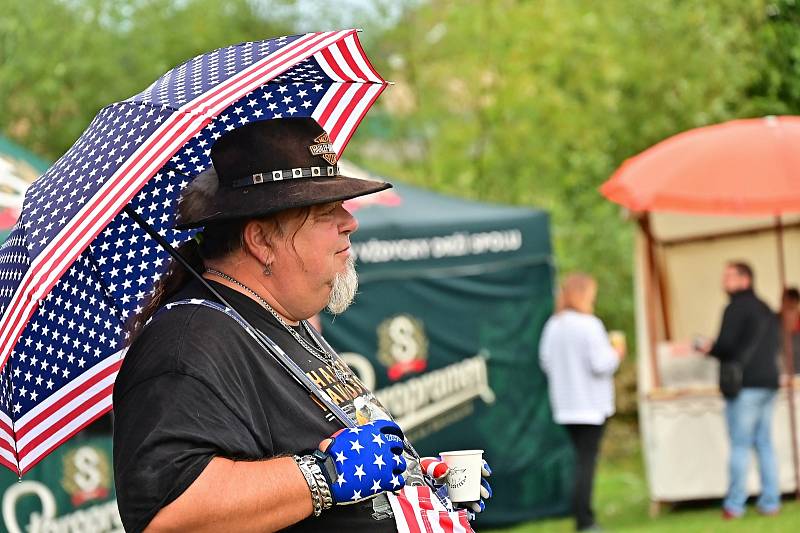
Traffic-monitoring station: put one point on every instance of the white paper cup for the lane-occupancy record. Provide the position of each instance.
(464, 479)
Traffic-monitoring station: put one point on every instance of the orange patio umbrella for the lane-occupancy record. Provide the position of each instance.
(748, 167)
(741, 167)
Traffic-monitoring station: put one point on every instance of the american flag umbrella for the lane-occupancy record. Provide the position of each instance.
(76, 265)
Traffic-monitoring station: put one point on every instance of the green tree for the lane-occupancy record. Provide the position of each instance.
(776, 89)
(536, 103)
(61, 61)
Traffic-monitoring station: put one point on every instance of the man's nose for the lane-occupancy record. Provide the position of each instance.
(348, 224)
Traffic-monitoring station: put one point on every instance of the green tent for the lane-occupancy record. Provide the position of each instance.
(445, 327)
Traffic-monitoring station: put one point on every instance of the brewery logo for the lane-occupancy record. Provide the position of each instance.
(402, 346)
(87, 475)
(457, 477)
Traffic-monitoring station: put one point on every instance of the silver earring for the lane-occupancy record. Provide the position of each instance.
(267, 270)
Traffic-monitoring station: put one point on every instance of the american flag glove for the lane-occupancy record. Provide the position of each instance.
(437, 470)
(364, 461)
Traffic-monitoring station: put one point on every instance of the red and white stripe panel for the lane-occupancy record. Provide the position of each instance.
(417, 510)
(346, 61)
(47, 268)
(70, 409)
(357, 86)
(49, 424)
(8, 451)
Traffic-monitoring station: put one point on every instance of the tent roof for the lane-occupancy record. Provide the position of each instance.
(408, 206)
(15, 151)
(409, 209)
(410, 227)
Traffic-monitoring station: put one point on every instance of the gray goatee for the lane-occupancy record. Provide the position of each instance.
(345, 285)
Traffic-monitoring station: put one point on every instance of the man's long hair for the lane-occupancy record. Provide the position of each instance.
(215, 241)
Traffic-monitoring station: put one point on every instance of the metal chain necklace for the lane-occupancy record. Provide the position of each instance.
(319, 351)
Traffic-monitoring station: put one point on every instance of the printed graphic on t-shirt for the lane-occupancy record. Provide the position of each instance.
(349, 393)
(360, 405)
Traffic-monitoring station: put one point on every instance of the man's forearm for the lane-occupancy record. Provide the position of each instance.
(239, 496)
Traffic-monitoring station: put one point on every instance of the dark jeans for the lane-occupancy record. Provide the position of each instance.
(586, 441)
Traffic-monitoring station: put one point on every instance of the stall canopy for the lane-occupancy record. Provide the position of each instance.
(445, 327)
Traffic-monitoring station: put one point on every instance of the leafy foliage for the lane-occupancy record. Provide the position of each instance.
(536, 103)
(522, 102)
(776, 90)
(61, 61)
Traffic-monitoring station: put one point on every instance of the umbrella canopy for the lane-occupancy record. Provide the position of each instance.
(76, 266)
(742, 167)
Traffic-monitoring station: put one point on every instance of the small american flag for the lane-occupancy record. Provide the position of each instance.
(74, 268)
(417, 510)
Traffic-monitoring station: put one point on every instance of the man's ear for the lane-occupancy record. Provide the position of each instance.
(258, 243)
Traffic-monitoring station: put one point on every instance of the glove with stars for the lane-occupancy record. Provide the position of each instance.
(364, 461)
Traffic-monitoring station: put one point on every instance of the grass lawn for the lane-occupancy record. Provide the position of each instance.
(622, 503)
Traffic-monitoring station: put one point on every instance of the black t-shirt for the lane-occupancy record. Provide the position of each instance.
(194, 385)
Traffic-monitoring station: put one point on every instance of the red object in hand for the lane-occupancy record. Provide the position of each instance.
(433, 467)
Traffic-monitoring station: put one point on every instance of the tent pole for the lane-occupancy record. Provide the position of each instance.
(650, 297)
(658, 277)
(788, 359)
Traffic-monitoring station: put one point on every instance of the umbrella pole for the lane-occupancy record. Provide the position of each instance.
(173, 252)
(788, 360)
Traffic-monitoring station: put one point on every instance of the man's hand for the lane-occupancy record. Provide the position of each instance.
(362, 462)
(702, 344)
(437, 470)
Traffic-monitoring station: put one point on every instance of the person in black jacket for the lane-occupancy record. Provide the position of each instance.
(750, 334)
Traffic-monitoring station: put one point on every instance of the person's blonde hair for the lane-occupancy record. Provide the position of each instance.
(576, 292)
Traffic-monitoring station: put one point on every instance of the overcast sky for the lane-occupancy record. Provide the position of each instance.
(336, 14)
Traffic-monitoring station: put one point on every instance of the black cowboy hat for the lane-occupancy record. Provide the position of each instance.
(272, 165)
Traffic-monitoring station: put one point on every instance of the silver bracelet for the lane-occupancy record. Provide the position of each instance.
(322, 484)
(321, 498)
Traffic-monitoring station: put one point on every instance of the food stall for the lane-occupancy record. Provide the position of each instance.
(700, 199)
(679, 261)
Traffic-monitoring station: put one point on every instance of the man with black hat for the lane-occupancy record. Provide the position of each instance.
(211, 432)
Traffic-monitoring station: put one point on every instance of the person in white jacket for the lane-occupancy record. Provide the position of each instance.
(580, 361)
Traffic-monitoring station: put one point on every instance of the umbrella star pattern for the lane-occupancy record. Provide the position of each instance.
(75, 268)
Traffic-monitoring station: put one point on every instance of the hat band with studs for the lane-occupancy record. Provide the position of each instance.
(280, 175)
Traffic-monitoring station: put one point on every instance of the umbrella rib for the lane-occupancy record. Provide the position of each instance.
(107, 294)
